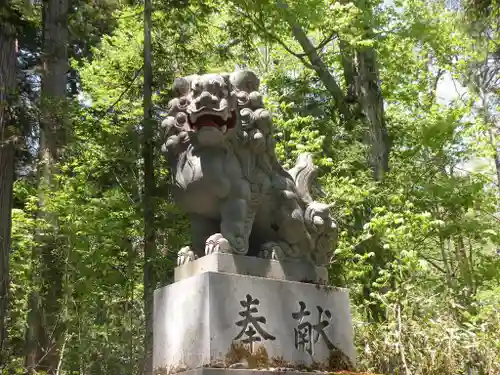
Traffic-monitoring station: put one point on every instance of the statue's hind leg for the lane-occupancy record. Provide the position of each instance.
(294, 240)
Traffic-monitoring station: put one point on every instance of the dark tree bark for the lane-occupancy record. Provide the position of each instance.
(363, 92)
(363, 84)
(362, 80)
(494, 133)
(149, 189)
(372, 105)
(8, 89)
(46, 323)
(483, 77)
(495, 143)
(349, 69)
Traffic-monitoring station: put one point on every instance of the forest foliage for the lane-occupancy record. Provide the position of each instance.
(419, 245)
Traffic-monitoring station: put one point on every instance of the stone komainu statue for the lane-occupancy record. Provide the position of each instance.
(218, 140)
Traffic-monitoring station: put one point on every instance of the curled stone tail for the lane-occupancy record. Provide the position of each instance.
(304, 174)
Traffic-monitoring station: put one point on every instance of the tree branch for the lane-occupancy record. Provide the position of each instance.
(433, 92)
(325, 41)
(120, 97)
(277, 39)
(317, 63)
(432, 263)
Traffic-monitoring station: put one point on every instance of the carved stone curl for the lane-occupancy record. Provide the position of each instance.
(218, 140)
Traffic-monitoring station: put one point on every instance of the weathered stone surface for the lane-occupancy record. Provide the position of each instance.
(219, 143)
(223, 371)
(252, 266)
(207, 320)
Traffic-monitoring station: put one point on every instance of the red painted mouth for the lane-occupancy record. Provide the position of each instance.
(213, 121)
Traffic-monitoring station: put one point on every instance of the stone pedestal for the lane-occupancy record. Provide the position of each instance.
(252, 266)
(223, 319)
(222, 371)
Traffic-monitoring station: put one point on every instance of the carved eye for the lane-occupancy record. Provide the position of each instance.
(183, 102)
(246, 117)
(168, 123)
(181, 119)
(217, 87)
(223, 90)
(243, 98)
(196, 87)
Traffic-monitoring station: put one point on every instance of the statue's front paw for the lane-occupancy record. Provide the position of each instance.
(216, 243)
(238, 244)
(185, 255)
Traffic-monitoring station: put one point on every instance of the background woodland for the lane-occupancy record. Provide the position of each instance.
(397, 100)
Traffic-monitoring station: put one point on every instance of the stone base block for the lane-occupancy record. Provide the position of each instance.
(252, 266)
(220, 319)
(221, 371)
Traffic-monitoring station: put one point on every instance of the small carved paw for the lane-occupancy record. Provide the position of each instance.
(270, 250)
(185, 255)
(279, 250)
(216, 243)
(239, 365)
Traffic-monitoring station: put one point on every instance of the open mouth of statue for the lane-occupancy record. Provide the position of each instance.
(211, 120)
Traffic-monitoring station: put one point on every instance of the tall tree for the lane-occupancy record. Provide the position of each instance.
(486, 82)
(149, 191)
(360, 71)
(7, 99)
(369, 95)
(46, 325)
(484, 24)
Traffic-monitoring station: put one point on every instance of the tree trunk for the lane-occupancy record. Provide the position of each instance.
(149, 189)
(466, 271)
(370, 98)
(444, 257)
(8, 89)
(46, 325)
(363, 85)
(372, 105)
(349, 69)
(363, 93)
(494, 132)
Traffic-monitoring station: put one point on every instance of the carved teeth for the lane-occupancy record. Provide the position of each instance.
(318, 221)
(223, 113)
(223, 128)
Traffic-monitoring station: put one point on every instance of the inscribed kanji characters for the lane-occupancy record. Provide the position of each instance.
(251, 324)
(308, 334)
